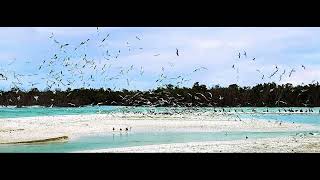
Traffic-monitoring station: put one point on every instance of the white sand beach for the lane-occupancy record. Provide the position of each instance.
(73, 126)
(266, 145)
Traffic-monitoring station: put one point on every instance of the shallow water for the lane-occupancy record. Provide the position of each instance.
(313, 119)
(137, 139)
(12, 112)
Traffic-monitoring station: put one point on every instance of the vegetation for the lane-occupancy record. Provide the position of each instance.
(261, 95)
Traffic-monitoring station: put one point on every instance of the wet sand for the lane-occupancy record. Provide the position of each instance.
(267, 145)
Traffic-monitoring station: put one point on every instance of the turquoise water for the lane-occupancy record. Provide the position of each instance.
(136, 139)
(12, 112)
(313, 119)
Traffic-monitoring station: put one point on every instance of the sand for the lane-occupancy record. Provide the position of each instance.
(267, 145)
(75, 126)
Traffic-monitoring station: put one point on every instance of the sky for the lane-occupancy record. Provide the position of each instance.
(148, 54)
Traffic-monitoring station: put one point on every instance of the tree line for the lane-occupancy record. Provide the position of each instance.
(261, 95)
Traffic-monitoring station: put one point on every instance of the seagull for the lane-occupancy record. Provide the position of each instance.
(138, 38)
(71, 104)
(303, 67)
(64, 45)
(105, 38)
(177, 52)
(274, 72)
(282, 75)
(292, 70)
(253, 59)
(141, 71)
(12, 62)
(239, 55)
(36, 97)
(4, 77)
(245, 54)
(199, 69)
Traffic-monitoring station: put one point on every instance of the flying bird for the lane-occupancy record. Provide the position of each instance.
(3, 77)
(292, 70)
(177, 52)
(245, 54)
(274, 72)
(199, 69)
(105, 38)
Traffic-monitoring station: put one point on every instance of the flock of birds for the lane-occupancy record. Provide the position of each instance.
(71, 65)
(274, 72)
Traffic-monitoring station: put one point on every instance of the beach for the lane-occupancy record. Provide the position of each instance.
(272, 145)
(266, 145)
(15, 130)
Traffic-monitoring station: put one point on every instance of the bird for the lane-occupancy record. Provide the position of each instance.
(71, 104)
(36, 97)
(303, 67)
(138, 38)
(292, 70)
(253, 59)
(239, 55)
(64, 45)
(3, 77)
(274, 72)
(141, 71)
(12, 61)
(177, 52)
(245, 54)
(156, 55)
(199, 69)
(280, 78)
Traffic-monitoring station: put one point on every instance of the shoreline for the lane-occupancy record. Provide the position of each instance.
(75, 126)
(263, 145)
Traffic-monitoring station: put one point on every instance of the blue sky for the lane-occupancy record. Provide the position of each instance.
(216, 49)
